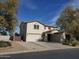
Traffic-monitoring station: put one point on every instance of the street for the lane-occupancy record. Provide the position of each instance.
(51, 54)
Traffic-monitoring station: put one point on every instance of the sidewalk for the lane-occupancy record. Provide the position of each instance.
(21, 47)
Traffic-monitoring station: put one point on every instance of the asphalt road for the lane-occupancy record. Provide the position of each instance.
(53, 54)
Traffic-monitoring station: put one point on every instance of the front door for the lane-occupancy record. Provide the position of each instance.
(49, 37)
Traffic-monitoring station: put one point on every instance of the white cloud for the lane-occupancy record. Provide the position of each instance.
(53, 21)
(55, 18)
(75, 3)
(30, 4)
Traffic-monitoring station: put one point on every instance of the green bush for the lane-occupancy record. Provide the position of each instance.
(66, 42)
(74, 42)
(4, 44)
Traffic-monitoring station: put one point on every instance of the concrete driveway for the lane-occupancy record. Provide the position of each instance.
(45, 45)
(53, 46)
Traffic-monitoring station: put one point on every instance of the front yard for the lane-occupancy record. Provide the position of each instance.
(71, 42)
(22, 47)
(18, 47)
(13, 48)
(5, 44)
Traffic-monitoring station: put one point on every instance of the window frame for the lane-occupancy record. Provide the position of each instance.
(36, 26)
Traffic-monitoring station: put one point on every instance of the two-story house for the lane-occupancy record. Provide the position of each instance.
(32, 31)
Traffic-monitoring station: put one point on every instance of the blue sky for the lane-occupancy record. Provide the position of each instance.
(46, 11)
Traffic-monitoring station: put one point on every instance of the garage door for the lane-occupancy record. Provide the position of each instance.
(33, 38)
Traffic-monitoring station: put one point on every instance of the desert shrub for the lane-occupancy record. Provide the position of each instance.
(66, 42)
(74, 42)
(4, 44)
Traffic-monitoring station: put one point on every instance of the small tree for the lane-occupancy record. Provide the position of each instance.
(8, 19)
(69, 21)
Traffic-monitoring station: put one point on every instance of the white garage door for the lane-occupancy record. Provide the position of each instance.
(33, 38)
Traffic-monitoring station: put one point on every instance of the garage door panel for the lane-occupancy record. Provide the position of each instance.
(33, 37)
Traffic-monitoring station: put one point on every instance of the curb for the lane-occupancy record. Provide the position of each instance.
(18, 52)
(5, 53)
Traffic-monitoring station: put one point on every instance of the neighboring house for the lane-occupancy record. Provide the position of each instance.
(32, 31)
(4, 36)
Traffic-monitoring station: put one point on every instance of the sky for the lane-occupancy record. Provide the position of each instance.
(45, 11)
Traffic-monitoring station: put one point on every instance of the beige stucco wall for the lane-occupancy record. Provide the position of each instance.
(54, 31)
(46, 28)
(30, 28)
(34, 34)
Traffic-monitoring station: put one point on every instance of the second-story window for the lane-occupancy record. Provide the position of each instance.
(49, 28)
(44, 27)
(36, 26)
